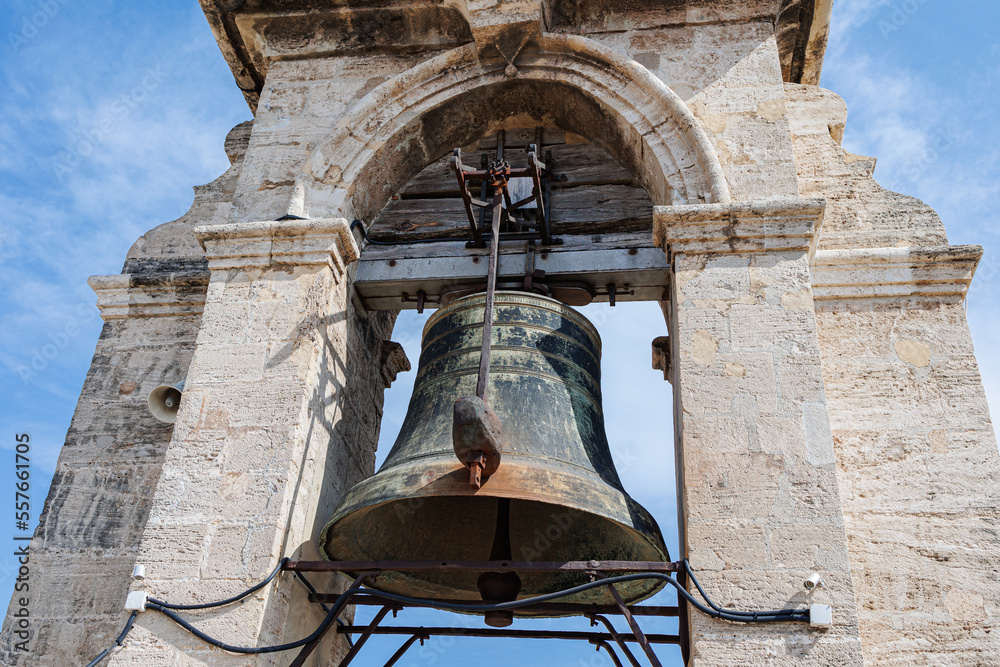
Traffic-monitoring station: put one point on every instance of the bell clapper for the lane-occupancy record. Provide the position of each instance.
(500, 586)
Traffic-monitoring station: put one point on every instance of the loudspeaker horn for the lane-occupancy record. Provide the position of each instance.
(164, 401)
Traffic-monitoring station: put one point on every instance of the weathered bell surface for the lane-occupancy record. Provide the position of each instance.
(565, 499)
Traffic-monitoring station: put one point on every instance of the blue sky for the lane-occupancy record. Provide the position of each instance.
(112, 111)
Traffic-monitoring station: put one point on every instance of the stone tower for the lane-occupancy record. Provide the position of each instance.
(829, 413)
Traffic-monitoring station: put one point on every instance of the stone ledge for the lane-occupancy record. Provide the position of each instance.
(893, 273)
(172, 294)
(279, 242)
(771, 225)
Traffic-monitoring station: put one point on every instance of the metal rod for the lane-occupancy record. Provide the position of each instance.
(307, 650)
(484, 163)
(491, 285)
(365, 634)
(550, 167)
(682, 627)
(497, 632)
(529, 265)
(456, 164)
(607, 647)
(617, 637)
(557, 608)
(441, 565)
(536, 187)
(403, 649)
(636, 630)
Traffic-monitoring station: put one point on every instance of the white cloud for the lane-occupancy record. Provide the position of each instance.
(933, 138)
(849, 14)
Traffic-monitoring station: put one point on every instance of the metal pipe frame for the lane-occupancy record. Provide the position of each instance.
(553, 608)
(595, 613)
(498, 632)
(594, 618)
(636, 630)
(594, 566)
(366, 633)
(607, 647)
(406, 647)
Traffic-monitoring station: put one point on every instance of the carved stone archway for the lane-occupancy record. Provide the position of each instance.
(570, 81)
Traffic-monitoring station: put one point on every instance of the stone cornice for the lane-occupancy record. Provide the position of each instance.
(252, 34)
(172, 294)
(801, 29)
(279, 242)
(741, 227)
(894, 273)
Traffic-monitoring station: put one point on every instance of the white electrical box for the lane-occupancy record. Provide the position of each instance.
(821, 616)
(136, 601)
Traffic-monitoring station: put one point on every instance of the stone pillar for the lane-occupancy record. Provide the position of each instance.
(86, 542)
(917, 456)
(279, 417)
(758, 481)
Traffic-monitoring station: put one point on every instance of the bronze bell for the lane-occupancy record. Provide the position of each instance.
(555, 496)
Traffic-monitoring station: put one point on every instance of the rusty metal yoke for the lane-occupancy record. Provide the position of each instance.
(496, 178)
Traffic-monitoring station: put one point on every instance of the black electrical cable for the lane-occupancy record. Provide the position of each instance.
(222, 603)
(253, 650)
(737, 617)
(716, 607)
(301, 577)
(118, 642)
(714, 610)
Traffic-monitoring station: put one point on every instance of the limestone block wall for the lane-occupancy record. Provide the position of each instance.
(88, 535)
(860, 213)
(917, 459)
(730, 76)
(920, 479)
(758, 477)
(280, 417)
(300, 106)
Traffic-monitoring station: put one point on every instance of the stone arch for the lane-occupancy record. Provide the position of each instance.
(569, 81)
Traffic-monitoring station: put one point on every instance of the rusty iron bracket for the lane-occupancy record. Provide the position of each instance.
(600, 643)
(536, 167)
(432, 631)
(370, 599)
(406, 647)
(496, 178)
(636, 630)
(366, 634)
(421, 299)
(594, 618)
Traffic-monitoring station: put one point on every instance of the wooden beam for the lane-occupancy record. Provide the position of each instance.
(389, 277)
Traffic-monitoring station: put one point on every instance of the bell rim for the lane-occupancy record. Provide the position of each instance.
(511, 475)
